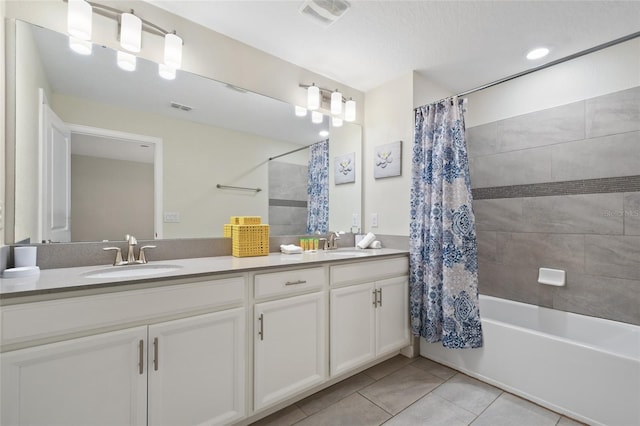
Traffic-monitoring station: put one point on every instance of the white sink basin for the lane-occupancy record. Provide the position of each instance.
(131, 271)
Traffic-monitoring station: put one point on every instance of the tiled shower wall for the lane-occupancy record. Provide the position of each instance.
(287, 198)
(560, 188)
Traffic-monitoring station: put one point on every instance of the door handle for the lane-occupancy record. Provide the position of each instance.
(375, 298)
(141, 357)
(156, 361)
(261, 329)
(379, 297)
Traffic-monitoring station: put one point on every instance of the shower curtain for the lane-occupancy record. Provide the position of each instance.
(318, 189)
(443, 249)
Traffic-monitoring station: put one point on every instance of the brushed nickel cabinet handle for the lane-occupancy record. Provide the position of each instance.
(379, 297)
(295, 282)
(156, 361)
(141, 357)
(261, 329)
(375, 298)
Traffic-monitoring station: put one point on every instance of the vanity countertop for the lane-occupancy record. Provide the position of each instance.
(71, 279)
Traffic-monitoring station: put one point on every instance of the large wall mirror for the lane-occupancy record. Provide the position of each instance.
(153, 157)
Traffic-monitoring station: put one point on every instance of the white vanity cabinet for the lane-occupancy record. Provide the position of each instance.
(369, 312)
(290, 353)
(185, 371)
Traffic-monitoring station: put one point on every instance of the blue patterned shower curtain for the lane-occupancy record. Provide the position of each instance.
(318, 189)
(443, 248)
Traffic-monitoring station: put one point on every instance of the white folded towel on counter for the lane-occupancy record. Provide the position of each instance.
(368, 239)
(290, 249)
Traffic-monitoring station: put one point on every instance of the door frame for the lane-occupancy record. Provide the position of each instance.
(157, 162)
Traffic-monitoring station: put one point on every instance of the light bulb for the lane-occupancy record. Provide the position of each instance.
(300, 111)
(336, 121)
(126, 61)
(350, 110)
(173, 51)
(79, 19)
(313, 97)
(316, 117)
(336, 103)
(82, 47)
(166, 72)
(130, 32)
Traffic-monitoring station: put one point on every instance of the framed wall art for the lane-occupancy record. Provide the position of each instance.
(388, 160)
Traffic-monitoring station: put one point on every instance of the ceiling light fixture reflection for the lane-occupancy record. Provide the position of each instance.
(300, 111)
(323, 133)
(126, 61)
(166, 72)
(83, 47)
(316, 117)
(537, 53)
(336, 121)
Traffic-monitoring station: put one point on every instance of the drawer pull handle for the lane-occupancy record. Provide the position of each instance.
(295, 282)
(375, 297)
(156, 361)
(141, 357)
(379, 297)
(261, 329)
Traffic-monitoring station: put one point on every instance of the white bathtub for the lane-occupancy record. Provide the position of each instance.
(586, 368)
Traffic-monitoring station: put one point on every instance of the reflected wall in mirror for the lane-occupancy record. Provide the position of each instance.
(213, 134)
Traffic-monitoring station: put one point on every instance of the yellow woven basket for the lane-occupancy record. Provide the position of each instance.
(246, 220)
(250, 240)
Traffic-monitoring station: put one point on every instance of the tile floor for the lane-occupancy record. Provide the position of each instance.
(408, 392)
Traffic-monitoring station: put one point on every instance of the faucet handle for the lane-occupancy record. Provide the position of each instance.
(118, 259)
(141, 256)
(324, 245)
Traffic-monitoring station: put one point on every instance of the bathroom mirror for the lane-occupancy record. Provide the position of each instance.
(155, 157)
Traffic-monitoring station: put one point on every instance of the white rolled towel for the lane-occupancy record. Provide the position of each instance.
(368, 239)
(375, 245)
(290, 249)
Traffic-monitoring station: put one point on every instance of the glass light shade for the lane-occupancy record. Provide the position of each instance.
(126, 61)
(130, 32)
(173, 51)
(300, 111)
(323, 133)
(79, 19)
(336, 103)
(350, 110)
(336, 121)
(313, 97)
(316, 117)
(166, 72)
(83, 47)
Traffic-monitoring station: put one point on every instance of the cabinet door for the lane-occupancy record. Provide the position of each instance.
(197, 369)
(352, 327)
(392, 315)
(290, 347)
(94, 380)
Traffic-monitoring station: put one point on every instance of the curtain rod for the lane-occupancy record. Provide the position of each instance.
(290, 152)
(547, 65)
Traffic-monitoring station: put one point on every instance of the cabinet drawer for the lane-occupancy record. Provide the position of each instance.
(372, 270)
(288, 282)
(38, 320)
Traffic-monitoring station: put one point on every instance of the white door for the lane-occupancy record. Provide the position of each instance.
(392, 315)
(290, 347)
(56, 177)
(352, 327)
(94, 380)
(197, 370)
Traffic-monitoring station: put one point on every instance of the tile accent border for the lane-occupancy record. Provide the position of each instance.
(287, 203)
(573, 187)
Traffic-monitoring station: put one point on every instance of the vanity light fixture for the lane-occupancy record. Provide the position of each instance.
(166, 72)
(316, 117)
(79, 19)
(336, 121)
(537, 53)
(350, 110)
(313, 97)
(336, 103)
(126, 61)
(172, 50)
(300, 111)
(130, 32)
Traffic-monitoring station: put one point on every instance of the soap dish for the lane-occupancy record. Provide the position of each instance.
(25, 271)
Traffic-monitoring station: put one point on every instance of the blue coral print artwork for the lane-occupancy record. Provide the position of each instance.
(388, 160)
(443, 248)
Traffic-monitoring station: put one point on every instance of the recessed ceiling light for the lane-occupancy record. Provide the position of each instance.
(323, 133)
(537, 53)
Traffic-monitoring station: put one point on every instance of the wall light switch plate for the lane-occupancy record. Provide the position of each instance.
(171, 217)
(374, 220)
(355, 219)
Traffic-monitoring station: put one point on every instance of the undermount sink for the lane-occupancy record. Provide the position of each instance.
(131, 271)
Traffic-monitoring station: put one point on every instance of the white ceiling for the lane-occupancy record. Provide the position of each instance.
(457, 44)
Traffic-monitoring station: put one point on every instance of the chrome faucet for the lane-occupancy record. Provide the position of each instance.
(332, 241)
(131, 258)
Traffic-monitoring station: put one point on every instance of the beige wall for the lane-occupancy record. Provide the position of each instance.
(116, 194)
(29, 78)
(344, 199)
(3, 116)
(196, 158)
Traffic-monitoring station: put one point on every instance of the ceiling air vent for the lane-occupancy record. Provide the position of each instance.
(180, 106)
(325, 12)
